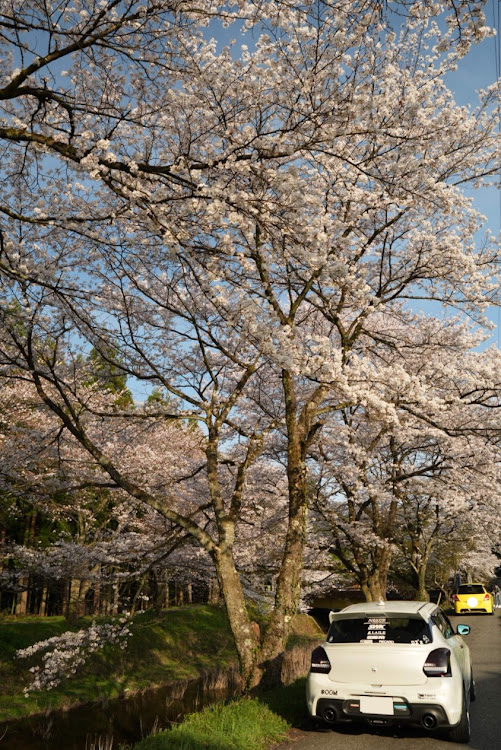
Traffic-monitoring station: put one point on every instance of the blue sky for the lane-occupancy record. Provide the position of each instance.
(479, 69)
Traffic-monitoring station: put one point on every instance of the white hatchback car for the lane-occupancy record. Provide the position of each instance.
(394, 662)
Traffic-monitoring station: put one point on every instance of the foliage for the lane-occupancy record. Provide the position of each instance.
(110, 377)
(243, 725)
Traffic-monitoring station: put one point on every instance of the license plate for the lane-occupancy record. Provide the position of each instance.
(370, 704)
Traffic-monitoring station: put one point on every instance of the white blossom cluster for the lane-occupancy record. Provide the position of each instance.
(65, 653)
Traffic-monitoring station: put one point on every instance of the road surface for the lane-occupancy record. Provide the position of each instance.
(484, 641)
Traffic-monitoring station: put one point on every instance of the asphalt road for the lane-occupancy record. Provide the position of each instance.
(484, 641)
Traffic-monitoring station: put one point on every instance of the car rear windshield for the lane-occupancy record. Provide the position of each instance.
(471, 588)
(381, 629)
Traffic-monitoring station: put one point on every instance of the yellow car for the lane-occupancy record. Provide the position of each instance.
(473, 597)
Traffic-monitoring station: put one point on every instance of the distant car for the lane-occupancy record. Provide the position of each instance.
(473, 597)
(394, 662)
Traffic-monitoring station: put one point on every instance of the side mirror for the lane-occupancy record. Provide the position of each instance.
(463, 629)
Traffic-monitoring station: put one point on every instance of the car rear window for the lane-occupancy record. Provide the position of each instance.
(471, 588)
(383, 629)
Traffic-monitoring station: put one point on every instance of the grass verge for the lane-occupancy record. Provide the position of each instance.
(246, 724)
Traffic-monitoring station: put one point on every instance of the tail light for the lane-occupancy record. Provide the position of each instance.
(320, 661)
(438, 663)
(455, 598)
(487, 598)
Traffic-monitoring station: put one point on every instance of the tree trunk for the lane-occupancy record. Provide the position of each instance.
(75, 606)
(214, 592)
(372, 590)
(21, 607)
(28, 541)
(115, 597)
(96, 601)
(42, 611)
(288, 592)
(419, 567)
(422, 593)
(161, 597)
(375, 581)
(246, 642)
(383, 570)
(179, 595)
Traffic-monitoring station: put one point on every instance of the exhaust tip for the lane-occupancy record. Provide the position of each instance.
(329, 714)
(429, 721)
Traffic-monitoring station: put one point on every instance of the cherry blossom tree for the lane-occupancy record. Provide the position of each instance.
(393, 482)
(243, 243)
(91, 533)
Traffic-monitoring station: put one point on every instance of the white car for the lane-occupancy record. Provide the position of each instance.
(394, 662)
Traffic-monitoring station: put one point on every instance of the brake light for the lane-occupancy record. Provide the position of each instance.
(438, 663)
(320, 661)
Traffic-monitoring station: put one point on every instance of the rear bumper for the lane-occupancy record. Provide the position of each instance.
(429, 716)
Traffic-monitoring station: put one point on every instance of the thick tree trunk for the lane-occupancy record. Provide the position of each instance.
(383, 571)
(420, 566)
(372, 589)
(288, 591)
(254, 657)
(422, 593)
(375, 581)
(246, 640)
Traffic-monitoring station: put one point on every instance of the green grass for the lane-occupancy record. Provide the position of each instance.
(179, 643)
(246, 724)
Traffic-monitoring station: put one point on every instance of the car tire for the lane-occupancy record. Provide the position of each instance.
(461, 732)
(473, 689)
